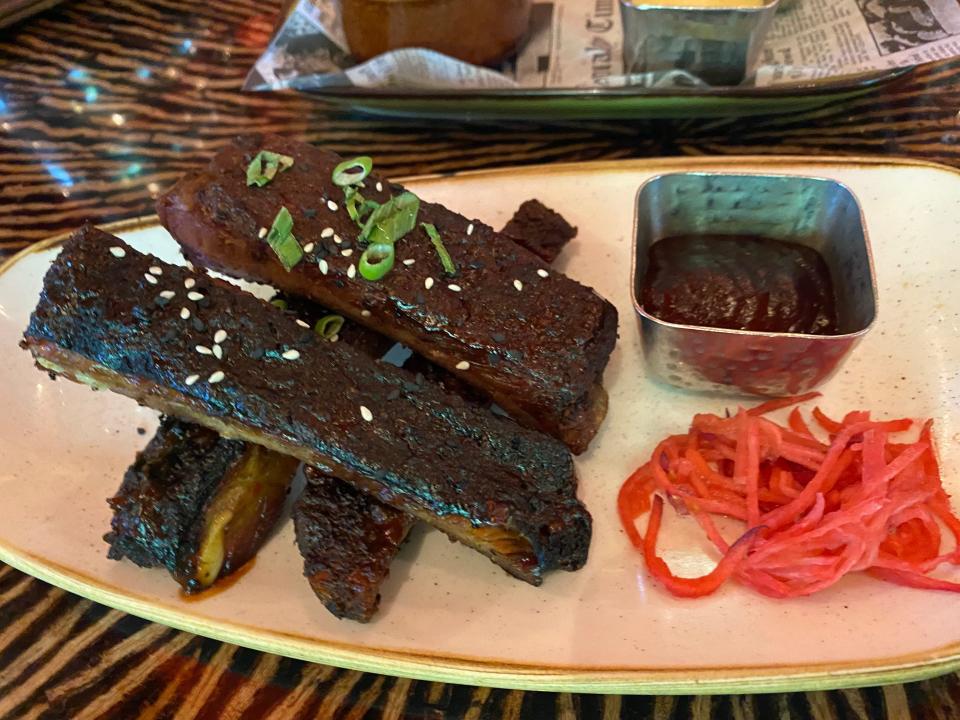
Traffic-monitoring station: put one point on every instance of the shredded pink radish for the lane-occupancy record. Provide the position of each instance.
(813, 510)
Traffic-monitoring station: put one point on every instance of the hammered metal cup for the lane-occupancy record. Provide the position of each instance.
(717, 41)
(819, 213)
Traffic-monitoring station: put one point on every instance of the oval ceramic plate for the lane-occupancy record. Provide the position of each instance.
(449, 614)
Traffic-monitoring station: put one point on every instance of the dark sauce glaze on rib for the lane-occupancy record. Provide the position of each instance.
(347, 538)
(536, 345)
(161, 510)
(348, 541)
(542, 231)
(504, 490)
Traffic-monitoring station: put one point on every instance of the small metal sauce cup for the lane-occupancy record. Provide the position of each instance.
(821, 214)
(717, 41)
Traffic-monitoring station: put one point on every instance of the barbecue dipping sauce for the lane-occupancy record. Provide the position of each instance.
(740, 282)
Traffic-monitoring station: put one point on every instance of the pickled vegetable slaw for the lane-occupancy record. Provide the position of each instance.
(814, 509)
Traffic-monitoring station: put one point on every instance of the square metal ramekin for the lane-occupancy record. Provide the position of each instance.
(819, 213)
(719, 42)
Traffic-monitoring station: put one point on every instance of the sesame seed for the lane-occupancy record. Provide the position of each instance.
(216, 377)
(365, 313)
(463, 365)
(470, 229)
(150, 278)
(332, 205)
(291, 355)
(308, 248)
(324, 268)
(543, 273)
(155, 270)
(190, 266)
(204, 350)
(191, 379)
(167, 294)
(379, 186)
(518, 285)
(347, 253)
(219, 336)
(195, 296)
(218, 352)
(454, 287)
(352, 271)
(365, 413)
(301, 323)
(335, 338)
(262, 234)
(409, 261)
(118, 252)
(337, 239)
(184, 313)
(428, 283)
(189, 283)
(326, 232)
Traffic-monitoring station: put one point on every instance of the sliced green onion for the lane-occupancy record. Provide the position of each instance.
(328, 326)
(265, 166)
(358, 207)
(377, 260)
(445, 258)
(352, 172)
(351, 201)
(279, 302)
(368, 206)
(391, 221)
(281, 240)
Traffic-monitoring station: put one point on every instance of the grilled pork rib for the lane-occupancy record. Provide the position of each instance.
(508, 492)
(347, 540)
(197, 504)
(542, 231)
(167, 512)
(537, 342)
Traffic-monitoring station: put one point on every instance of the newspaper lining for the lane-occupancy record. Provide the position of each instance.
(578, 44)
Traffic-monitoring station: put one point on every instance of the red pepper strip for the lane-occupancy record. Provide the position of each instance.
(855, 416)
(745, 469)
(808, 443)
(913, 579)
(787, 513)
(927, 566)
(940, 504)
(753, 474)
(941, 508)
(895, 426)
(691, 587)
(843, 462)
(831, 426)
(798, 424)
(626, 520)
(914, 541)
(633, 500)
(702, 468)
(902, 461)
(782, 482)
(773, 497)
(780, 403)
(697, 482)
(718, 507)
(706, 522)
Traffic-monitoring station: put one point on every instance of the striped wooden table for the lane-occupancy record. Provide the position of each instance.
(105, 102)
